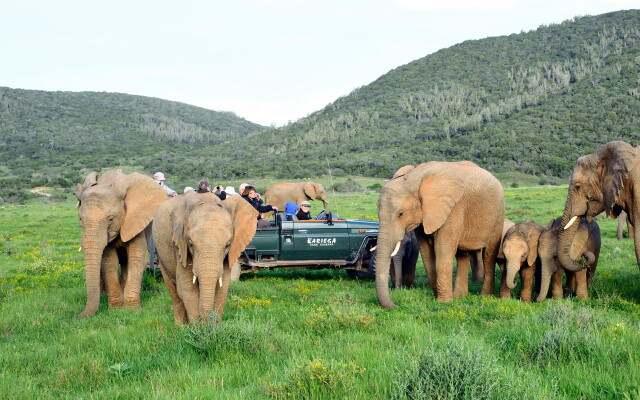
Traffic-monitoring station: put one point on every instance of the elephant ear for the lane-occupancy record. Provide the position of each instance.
(89, 180)
(310, 190)
(403, 171)
(534, 239)
(579, 243)
(615, 159)
(244, 219)
(439, 192)
(141, 200)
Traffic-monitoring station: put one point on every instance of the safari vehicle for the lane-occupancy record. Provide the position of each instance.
(324, 242)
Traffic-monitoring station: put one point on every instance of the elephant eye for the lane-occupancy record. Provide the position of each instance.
(401, 213)
(577, 186)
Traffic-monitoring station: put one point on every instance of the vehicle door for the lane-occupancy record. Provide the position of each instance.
(317, 240)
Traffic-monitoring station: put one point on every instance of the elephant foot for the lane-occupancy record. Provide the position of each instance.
(116, 304)
(505, 295)
(132, 304)
(460, 293)
(445, 299)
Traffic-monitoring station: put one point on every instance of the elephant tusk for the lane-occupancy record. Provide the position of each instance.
(395, 251)
(373, 248)
(220, 281)
(79, 249)
(194, 279)
(571, 221)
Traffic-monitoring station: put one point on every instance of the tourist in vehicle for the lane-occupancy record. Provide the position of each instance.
(159, 178)
(204, 187)
(304, 213)
(290, 210)
(253, 198)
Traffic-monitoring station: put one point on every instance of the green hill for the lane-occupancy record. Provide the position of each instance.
(530, 102)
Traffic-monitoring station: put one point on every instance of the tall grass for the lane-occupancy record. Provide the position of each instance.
(311, 334)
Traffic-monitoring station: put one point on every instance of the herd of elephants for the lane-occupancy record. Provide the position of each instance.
(445, 210)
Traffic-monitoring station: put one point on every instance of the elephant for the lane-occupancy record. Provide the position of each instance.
(622, 219)
(459, 206)
(607, 180)
(199, 238)
(279, 194)
(114, 210)
(520, 254)
(586, 243)
(403, 264)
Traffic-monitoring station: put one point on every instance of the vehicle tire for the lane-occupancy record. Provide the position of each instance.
(371, 274)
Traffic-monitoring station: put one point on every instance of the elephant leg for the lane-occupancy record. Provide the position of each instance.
(220, 297)
(489, 260)
(570, 282)
(462, 275)
(110, 275)
(409, 271)
(428, 258)
(136, 262)
(188, 291)
(505, 292)
(179, 312)
(445, 253)
(526, 277)
(580, 279)
(556, 284)
(477, 267)
(396, 272)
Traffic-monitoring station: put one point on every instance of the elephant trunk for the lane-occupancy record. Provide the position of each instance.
(94, 242)
(565, 240)
(512, 270)
(546, 272)
(209, 270)
(383, 261)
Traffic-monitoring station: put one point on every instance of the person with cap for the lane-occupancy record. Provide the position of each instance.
(186, 189)
(304, 213)
(159, 178)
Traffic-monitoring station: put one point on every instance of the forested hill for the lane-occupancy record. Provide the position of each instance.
(51, 138)
(530, 102)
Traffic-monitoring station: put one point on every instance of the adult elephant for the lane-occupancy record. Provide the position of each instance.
(114, 210)
(198, 238)
(520, 252)
(456, 206)
(279, 194)
(607, 180)
(586, 243)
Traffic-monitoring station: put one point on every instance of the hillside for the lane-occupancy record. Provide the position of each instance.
(530, 102)
(51, 138)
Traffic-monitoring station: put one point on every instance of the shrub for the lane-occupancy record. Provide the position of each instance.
(375, 187)
(348, 186)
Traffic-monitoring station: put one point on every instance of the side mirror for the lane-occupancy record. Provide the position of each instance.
(329, 218)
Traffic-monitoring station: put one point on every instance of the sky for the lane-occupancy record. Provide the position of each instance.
(269, 61)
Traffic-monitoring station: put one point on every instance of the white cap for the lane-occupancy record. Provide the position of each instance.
(159, 176)
(188, 188)
(230, 190)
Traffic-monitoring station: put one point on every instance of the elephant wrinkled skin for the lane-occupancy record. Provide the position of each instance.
(455, 206)
(198, 238)
(114, 210)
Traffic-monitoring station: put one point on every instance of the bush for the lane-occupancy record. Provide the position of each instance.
(349, 186)
(375, 187)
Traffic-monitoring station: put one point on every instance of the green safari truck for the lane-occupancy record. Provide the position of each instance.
(325, 242)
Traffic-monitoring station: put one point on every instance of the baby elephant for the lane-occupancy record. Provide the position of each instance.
(403, 263)
(586, 243)
(198, 238)
(520, 249)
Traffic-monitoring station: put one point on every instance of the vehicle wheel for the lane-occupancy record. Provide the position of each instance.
(371, 274)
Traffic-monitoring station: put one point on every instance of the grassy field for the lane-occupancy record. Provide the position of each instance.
(311, 334)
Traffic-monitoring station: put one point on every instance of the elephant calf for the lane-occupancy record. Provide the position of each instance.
(585, 243)
(198, 238)
(403, 264)
(520, 252)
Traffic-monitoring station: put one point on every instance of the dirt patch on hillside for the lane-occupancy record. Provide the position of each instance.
(39, 191)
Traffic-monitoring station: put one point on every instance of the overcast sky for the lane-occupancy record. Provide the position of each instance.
(269, 61)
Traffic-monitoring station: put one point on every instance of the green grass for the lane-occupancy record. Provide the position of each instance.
(311, 334)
